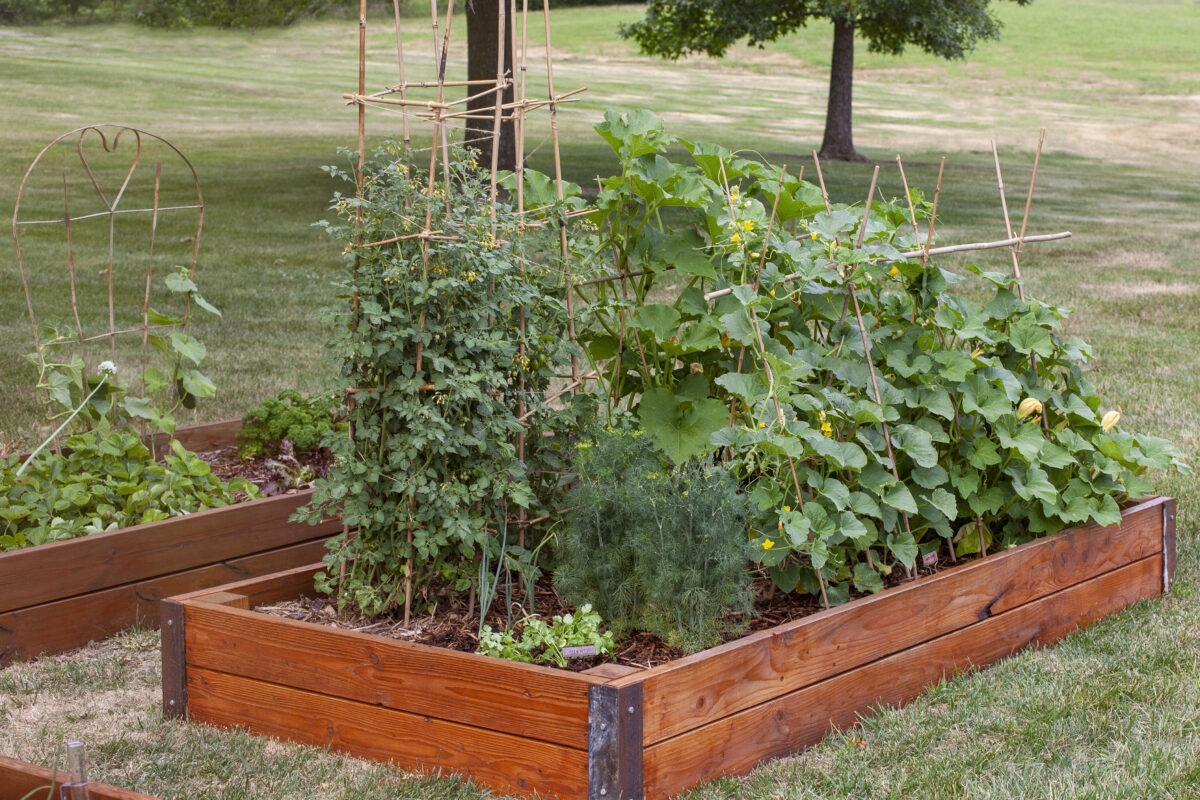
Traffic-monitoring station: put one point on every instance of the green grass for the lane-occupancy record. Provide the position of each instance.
(1111, 712)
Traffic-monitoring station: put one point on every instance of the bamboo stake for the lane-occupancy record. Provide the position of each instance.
(1029, 197)
(149, 276)
(558, 186)
(937, 192)
(957, 248)
(501, 84)
(403, 88)
(70, 266)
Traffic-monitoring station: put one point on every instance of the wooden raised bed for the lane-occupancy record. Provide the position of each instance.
(624, 734)
(17, 779)
(59, 596)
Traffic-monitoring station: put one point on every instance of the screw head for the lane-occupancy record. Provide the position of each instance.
(170, 622)
(630, 709)
(603, 791)
(170, 702)
(603, 726)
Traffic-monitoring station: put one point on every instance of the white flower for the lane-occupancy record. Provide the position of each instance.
(107, 368)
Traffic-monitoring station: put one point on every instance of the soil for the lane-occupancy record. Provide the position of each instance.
(457, 630)
(284, 473)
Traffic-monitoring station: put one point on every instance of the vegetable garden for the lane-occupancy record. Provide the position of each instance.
(659, 408)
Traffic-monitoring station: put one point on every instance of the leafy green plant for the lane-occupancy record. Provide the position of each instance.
(543, 643)
(653, 548)
(870, 412)
(447, 345)
(103, 481)
(290, 417)
(112, 397)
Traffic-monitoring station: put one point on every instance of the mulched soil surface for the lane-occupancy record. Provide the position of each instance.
(455, 630)
(273, 475)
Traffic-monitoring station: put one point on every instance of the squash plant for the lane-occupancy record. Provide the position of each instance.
(975, 429)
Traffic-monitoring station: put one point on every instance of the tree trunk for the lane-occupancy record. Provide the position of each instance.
(838, 143)
(483, 27)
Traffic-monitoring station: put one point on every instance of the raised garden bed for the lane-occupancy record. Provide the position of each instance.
(617, 732)
(62, 595)
(17, 779)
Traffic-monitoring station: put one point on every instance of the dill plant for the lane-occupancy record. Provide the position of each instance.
(652, 548)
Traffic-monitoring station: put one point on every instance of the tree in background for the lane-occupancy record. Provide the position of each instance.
(483, 28)
(946, 28)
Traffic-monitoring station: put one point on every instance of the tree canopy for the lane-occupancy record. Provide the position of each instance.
(946, 28)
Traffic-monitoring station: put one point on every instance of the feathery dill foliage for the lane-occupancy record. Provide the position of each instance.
(655, 550)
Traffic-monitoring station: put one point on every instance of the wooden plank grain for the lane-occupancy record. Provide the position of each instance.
(766, 664)
(60, 570)
(801, 718)
(66, 624)
(287, 584)
(520, 699)
(17, 779)
(203, 437)
(497, 760)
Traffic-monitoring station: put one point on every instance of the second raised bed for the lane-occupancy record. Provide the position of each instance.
(62, 595)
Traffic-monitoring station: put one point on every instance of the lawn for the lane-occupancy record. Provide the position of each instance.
(1111, 712)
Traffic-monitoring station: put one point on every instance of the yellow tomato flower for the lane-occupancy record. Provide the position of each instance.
(893, 272)
(748, 225)
(1110, 420)
(768, 544)
(735, 237)
(1030, 406)
(762, 424)
(827, 429)
(772, 293)
(812, 236)
(787, 508)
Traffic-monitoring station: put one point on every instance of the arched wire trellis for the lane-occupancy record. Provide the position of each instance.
(109, 138)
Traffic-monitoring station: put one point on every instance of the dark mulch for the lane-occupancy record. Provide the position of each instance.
(455, 629)
(284, 473)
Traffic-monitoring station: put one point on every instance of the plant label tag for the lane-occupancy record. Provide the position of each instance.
(579, 651)
(930, 559)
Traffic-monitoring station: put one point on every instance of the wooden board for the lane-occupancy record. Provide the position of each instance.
(58, 570)
(717, 712)
(787, 724)
(288, 584)
(18, 779)
(65, 624)
(204, 437)
(494, 759)
(534, 702)
(756, 668)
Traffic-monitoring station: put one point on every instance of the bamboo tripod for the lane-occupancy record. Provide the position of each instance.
(425, 102)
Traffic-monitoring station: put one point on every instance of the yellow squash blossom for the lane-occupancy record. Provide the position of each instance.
(1030, 406)
(1110, 420)
(767, 544)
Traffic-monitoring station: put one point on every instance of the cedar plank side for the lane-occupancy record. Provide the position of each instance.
(204, 437)
(520, 699)
(67, 624)
(680, 695)
(286, 585)
(787, 724)
(51, 571)
(18, 779)
(506, 763)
